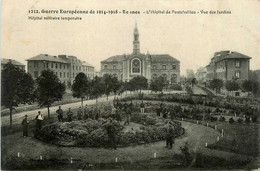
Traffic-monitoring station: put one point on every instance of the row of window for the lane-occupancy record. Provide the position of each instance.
(222, 64)
(154, 67)
(164, 67)
(62, 74)
(164, 75)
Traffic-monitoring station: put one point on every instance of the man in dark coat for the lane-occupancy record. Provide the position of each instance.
(69, 115)
(60, 114)
(80, 113)
(111, 132)
(25, 124)
(169, 135)
(142, 107)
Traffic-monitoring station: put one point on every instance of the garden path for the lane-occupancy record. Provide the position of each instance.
(30, 148)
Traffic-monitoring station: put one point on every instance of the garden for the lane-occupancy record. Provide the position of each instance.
(92, 133)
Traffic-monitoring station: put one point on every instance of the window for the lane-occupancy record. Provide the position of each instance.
(173, 78)
(154, 67)
(56, 66)
(73, 74)
(64, 74)
(64, 66)
(35, 64)
(136, 65)
(51, 65)
(68, 74)
(164, 76)
(154, 76)
(164, 67)
(114, 66)
(115, 75)
(60, 75)
(60, 66)
(47, 65)
(35, 74)
(237, 74)
(174, 67)
(237, 64)
(76, 67)
(105, 66)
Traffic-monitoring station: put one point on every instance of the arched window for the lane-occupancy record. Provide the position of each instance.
(114, 67)
(164, 76)
(173, 78)
(154, 76)
(136, 66)
(105, 66)
(115, 75)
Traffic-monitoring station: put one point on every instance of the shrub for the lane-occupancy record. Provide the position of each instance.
(231, 120)
(213, 118)
(239, 120)
(222, 119)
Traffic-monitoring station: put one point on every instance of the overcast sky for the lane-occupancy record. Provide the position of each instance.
(192, 39)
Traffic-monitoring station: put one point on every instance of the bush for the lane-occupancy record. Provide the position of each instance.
(222, 119)
(239, 120)
(213, 118)
(231, 120)
(175, 87)
(92, 133)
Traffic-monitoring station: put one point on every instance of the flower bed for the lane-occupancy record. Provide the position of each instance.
(92, 133)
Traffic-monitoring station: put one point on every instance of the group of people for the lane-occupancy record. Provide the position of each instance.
(38, 124)
(82, 114)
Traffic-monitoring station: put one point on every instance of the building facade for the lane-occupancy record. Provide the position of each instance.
(127, 66)
(65, 67)
(201, 74)
(14, 62)
(227, 65)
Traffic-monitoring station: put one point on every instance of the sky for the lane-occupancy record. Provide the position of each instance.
(192, 38)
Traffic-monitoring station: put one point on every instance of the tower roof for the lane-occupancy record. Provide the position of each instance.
(136, 29)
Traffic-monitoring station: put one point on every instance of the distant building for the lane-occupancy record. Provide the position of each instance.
(228, 65)
(201, 74)
(127, 66)
(14, 62)
(65, 67)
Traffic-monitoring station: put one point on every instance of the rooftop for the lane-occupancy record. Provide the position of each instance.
(154, 58)
(14, 62)
(219, 56)
(46, 57)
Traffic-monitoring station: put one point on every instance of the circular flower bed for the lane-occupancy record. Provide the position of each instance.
(92, 133)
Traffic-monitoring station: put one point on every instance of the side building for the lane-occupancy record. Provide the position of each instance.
(227, 65)
(14, 62)
(65, 67)
(127, 66)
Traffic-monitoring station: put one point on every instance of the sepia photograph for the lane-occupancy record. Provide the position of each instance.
(130, 85)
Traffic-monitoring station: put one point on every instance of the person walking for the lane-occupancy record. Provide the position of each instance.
(39, 120)
(169, 135)
(69, 115)
(127, 116)
(142, 107)
(86, 113)
(60, 114)
(111, 132)
(80, 113)
(25, 124)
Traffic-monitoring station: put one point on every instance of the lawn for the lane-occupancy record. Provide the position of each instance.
(239, 138)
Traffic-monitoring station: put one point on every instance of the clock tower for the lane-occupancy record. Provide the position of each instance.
(136, 43)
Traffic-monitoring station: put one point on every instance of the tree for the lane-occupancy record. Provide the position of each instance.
(251, 86)
(117, 86)
(216, 84)
(108, 81)
(157, 84)
(80, 87)
(232, 85)
(49, 89)
(139, 83)
(17, 87)
(97, 87)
